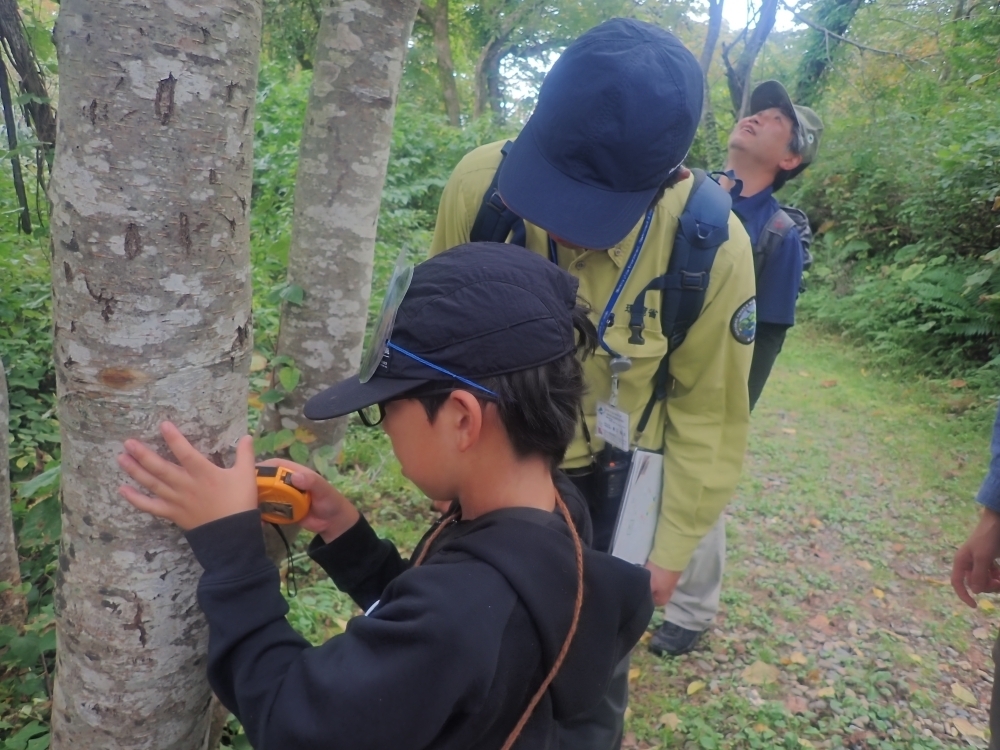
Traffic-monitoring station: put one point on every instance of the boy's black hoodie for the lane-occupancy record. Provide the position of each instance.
(448, 657)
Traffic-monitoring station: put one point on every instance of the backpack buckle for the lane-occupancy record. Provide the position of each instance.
(693, 281)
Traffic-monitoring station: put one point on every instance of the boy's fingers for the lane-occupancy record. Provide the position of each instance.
(169, 474)
(185, 453)
(153, 506)
(244, 454)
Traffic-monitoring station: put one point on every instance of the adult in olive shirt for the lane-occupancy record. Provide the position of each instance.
(596, 176)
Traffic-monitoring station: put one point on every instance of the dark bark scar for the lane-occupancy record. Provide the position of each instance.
(185, 232)
(163, 105)
(133, 241)
(137, 624)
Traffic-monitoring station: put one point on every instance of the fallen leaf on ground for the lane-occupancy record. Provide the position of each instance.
(644, 638)
(879, 593)
(897, 548)
(630, 740)
(967, 729)
(986, 605)
(760, 728)
(819, 622)
(670, 721)
(803, 373)
(916, 658)
(788, 430)
(805, 743)
(696, 687)
(826, 692)
(796, 704)
(633, 674)
(963, 693)
(815, 523)
(828, 384)
(760, 673)
(864, 565)
(255, 403)
(798, 658)
(981, 633)
(257, 362)
(956, 383)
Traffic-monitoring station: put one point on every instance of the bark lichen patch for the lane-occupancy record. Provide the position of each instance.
(122, 378)
(133, 242)
(163, 104)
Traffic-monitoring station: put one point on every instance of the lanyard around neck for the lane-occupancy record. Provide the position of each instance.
(606, 316)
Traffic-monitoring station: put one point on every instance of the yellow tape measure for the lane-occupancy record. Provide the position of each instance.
(279, 500)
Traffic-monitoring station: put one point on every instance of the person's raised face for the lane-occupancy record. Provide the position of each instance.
(766, 137)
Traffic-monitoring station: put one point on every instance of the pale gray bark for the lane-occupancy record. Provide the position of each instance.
(739, 74)
(12, 608)
(151, 306)
(343, 155)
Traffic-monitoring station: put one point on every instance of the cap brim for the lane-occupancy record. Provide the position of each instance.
(772, 94)
(348, 396)
(573, 211)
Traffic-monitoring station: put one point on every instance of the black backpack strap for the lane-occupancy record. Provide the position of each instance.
(703, 227)
(771, 237)
(495, 222)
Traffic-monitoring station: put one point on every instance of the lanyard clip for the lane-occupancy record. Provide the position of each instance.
(618, 366)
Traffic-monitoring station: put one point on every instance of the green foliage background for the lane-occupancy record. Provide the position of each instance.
(904, 198)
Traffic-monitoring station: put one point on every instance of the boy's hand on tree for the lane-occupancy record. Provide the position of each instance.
(330, 513)
(196, 491)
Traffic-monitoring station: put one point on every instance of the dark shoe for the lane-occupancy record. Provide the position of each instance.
(673, 640)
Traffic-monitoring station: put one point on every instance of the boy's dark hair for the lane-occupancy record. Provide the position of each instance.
(539, 408)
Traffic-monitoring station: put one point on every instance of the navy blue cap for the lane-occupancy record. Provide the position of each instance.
(615, 118)
(478, 310)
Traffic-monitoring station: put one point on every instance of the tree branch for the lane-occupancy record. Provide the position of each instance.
(828, 34)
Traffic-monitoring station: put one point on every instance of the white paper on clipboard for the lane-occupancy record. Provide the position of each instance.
(640, 508)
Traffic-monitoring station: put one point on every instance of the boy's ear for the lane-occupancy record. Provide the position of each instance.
(467, 415)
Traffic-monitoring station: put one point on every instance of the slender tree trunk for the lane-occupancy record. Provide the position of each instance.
(713, 149)
(344, 152)
(151, 307)
(738, 76)
(12, 605)
(436, 17)
(41, 115)
(832, 15)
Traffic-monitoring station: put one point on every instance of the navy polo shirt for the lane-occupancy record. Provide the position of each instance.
(781, 276)
(989, 493)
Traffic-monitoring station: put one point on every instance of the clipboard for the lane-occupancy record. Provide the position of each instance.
(635, 527)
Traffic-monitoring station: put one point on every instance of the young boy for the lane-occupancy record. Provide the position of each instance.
(487, 639)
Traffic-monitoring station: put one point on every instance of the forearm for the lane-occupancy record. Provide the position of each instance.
(359, 562)
(770, 338)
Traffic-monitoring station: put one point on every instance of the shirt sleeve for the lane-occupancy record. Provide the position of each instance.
(989, 493)
(779, 282)
(364, 689)
(708, 413)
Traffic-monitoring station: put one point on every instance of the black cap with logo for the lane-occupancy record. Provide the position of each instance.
(474, 312)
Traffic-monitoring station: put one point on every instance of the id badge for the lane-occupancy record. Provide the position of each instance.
(612, 426)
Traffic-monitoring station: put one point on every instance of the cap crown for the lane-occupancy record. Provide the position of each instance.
(620, 107)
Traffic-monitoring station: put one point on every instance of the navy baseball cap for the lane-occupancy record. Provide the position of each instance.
(615, 118)
(474, 312)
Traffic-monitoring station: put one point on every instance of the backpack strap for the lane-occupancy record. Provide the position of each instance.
(703, 227)
(771, 237)
(495, 222)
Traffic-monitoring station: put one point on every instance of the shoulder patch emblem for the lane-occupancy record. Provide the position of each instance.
(743, 325)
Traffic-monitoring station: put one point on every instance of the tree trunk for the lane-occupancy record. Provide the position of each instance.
(12, 605)
(832, 15)
(738, 76)
(343, 156)
(437, 18)
(151, 307)
(713, 149)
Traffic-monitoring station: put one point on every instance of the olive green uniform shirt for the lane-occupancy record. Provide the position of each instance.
(702, 426)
